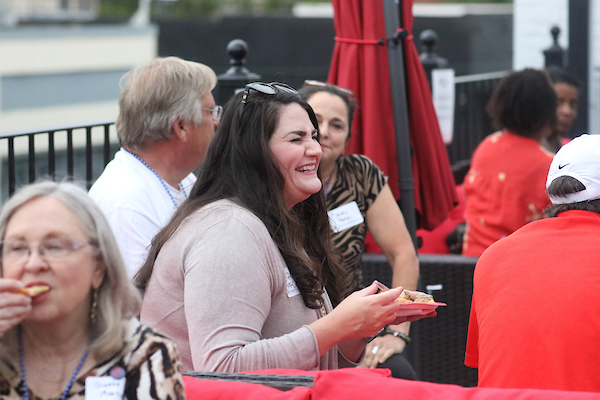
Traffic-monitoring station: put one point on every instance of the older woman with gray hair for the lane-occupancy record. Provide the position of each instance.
(67, 308)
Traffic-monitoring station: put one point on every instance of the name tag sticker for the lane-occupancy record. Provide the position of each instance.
(104, 388)
(345, 217)
(292, 289)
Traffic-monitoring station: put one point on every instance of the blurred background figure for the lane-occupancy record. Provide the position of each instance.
(536, 294)
(504, 188)
(167, 117)
(245, 276)
(83, 324)
(566, 87)
(356, 188)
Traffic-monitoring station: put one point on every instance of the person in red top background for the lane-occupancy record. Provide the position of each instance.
(447, 238)
(535, 313)
(504, 188)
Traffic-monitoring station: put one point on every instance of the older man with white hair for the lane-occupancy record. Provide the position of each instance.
(167, 117)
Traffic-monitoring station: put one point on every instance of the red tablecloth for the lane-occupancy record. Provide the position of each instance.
(359, 384)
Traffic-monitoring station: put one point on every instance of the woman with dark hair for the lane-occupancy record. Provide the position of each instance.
(244, 276)
(354, 182)
(505, 186)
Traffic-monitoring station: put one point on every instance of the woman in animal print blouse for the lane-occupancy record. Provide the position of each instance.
(360, 200)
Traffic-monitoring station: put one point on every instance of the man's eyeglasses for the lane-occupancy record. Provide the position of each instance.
(347, 92)
(216, 112)
(265, 88)
(55, 249)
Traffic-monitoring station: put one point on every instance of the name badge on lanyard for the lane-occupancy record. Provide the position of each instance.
(106, 387)
(345, 217)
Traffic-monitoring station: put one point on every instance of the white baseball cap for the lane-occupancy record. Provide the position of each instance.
(579, 159)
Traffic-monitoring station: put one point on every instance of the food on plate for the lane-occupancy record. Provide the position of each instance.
(423, 298)
(404, 297)
(33, 291)
(415, 297)
(409, 297)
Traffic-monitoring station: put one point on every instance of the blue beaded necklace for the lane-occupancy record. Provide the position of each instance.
(24, 378)
(159, 178)
(327, 187)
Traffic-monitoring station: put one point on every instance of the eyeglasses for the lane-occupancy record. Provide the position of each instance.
(216, 112)
(265, 88)
(55, 249)
(347, 92)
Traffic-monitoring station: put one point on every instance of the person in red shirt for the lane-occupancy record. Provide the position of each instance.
(535, 313)
(504, 188)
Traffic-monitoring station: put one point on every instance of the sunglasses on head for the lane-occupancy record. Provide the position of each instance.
(264, 88)
(347, 92)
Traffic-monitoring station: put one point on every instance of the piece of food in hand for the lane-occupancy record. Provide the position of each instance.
(33, 291)
(404, 297)
(423, 298)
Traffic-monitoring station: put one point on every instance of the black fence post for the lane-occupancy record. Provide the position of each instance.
(429, 58)
(555, 55)
(578, 59)
(237, 76)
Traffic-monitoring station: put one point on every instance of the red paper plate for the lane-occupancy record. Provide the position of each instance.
(410, 309)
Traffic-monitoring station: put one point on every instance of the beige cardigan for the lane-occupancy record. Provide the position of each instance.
(219, 291)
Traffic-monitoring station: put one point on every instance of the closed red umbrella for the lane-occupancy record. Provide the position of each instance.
(361, 63)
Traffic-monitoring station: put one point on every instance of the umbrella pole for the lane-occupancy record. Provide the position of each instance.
(393, 19)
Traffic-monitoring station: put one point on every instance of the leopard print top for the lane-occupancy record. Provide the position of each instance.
(358, 179)
(150, 361)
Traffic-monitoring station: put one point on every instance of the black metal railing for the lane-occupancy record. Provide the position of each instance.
(471, 122)
(68, 152)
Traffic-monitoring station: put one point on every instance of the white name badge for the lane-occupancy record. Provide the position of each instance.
(292, 289)
(104, 388)
(345, 217)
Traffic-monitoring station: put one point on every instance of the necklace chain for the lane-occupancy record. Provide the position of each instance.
(159, 178)
(24, 378)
